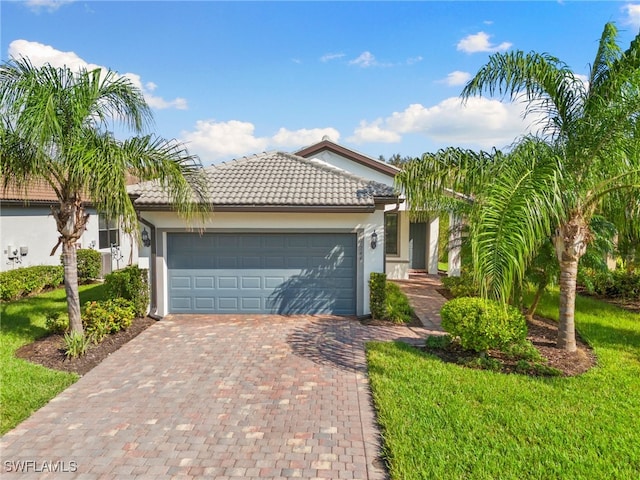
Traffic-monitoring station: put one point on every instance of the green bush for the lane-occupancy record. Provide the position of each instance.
(439, 342)
(462, 286)
(75, 344)
(89, 264)
(100, 319)
(21, 282)
(378, 295)
(56, 322)
(617, 284)
(397, 309)
(130, 283)
(482, 324)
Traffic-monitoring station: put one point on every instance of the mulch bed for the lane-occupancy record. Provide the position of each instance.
(49, 351)
(542, 334)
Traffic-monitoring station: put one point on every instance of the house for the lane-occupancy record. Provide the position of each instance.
(289, 233)
(28, 232)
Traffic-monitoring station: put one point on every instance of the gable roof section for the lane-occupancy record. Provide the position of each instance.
(278, 181)
(325, 144)
(37, 192)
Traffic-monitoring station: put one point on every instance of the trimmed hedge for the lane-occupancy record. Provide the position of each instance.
(89, 264)
(483, 325)
(617, 284)
(15, 284)
(130, 283)
(378, 295)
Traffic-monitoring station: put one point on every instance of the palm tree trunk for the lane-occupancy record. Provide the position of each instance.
(70, 261)
(566, 325)
(570, 242)
(531, 311)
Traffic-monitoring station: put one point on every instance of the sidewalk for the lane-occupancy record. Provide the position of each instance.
(421, 289)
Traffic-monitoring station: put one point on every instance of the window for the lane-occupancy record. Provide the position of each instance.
(391, 233)
(108, 233)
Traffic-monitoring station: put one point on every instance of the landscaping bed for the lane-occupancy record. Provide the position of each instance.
(542, 334)
(49, 351)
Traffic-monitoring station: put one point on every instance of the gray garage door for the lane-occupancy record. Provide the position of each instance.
(262, 273)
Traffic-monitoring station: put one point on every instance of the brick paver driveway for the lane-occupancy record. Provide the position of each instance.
(215, 397)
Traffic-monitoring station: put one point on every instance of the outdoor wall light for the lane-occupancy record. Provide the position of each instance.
(374, 240)
(146, 241)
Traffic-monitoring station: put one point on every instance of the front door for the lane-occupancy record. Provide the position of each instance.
(418, 246)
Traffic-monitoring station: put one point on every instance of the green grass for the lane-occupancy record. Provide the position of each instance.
(27, 387)
(444, 421)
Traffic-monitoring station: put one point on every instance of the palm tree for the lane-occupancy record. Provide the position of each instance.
(586, 161)
(55, 128)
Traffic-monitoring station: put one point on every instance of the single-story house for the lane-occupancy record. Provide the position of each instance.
(289, 233)
(28, 232)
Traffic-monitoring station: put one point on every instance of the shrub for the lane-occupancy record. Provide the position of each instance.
(398, 309)
(130, 283)
(618, 283)
(75, 344)
(100, 319)
(524, 350)
(378, 295)
(21, 282)
(462, 286)
(89, 264)
(56, 322)
(482, 324)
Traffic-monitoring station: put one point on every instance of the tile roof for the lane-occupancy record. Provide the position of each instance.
(36, 191)
(277, 179)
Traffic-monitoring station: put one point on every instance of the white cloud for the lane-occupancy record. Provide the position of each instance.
(331, 56)
(40, 54)
(214, 141)
(49, 5)
(478, 123)
(304, 136)
(480, 43)
(366, 59)
(633, 14)
(457, 78)
(374, 132)
(414, 60)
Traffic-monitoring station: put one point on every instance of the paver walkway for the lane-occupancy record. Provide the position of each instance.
(421, 289)
(215, 397)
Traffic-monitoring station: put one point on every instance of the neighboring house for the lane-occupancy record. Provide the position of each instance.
(28, 232)
(289, 234)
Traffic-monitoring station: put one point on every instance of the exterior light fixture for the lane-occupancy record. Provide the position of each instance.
(374, 240)
(146, 241)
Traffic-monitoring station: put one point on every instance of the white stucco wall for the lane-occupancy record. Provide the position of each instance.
(369, 260)
(34, 227)
(354, 167)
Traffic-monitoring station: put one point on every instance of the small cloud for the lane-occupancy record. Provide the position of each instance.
(296, 61)
(414, 60)
(40, 54)
(633, 14)
(488, 22)
(366, 60)
(480, 43)
(49, 5)
(457, 78)
(331, 56)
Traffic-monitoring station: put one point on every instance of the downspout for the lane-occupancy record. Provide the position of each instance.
(153, 300)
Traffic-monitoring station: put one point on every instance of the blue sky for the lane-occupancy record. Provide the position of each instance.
(237, 78)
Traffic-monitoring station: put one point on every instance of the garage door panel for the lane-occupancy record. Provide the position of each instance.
(251, 283)
(262, 273)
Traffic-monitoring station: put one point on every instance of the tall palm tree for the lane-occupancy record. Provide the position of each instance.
(587, 160)
(55, 127)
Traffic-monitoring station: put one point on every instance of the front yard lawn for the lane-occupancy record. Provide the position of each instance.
(25, 386)
(445, 421)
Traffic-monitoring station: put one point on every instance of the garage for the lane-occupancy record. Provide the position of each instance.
(283, 273)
